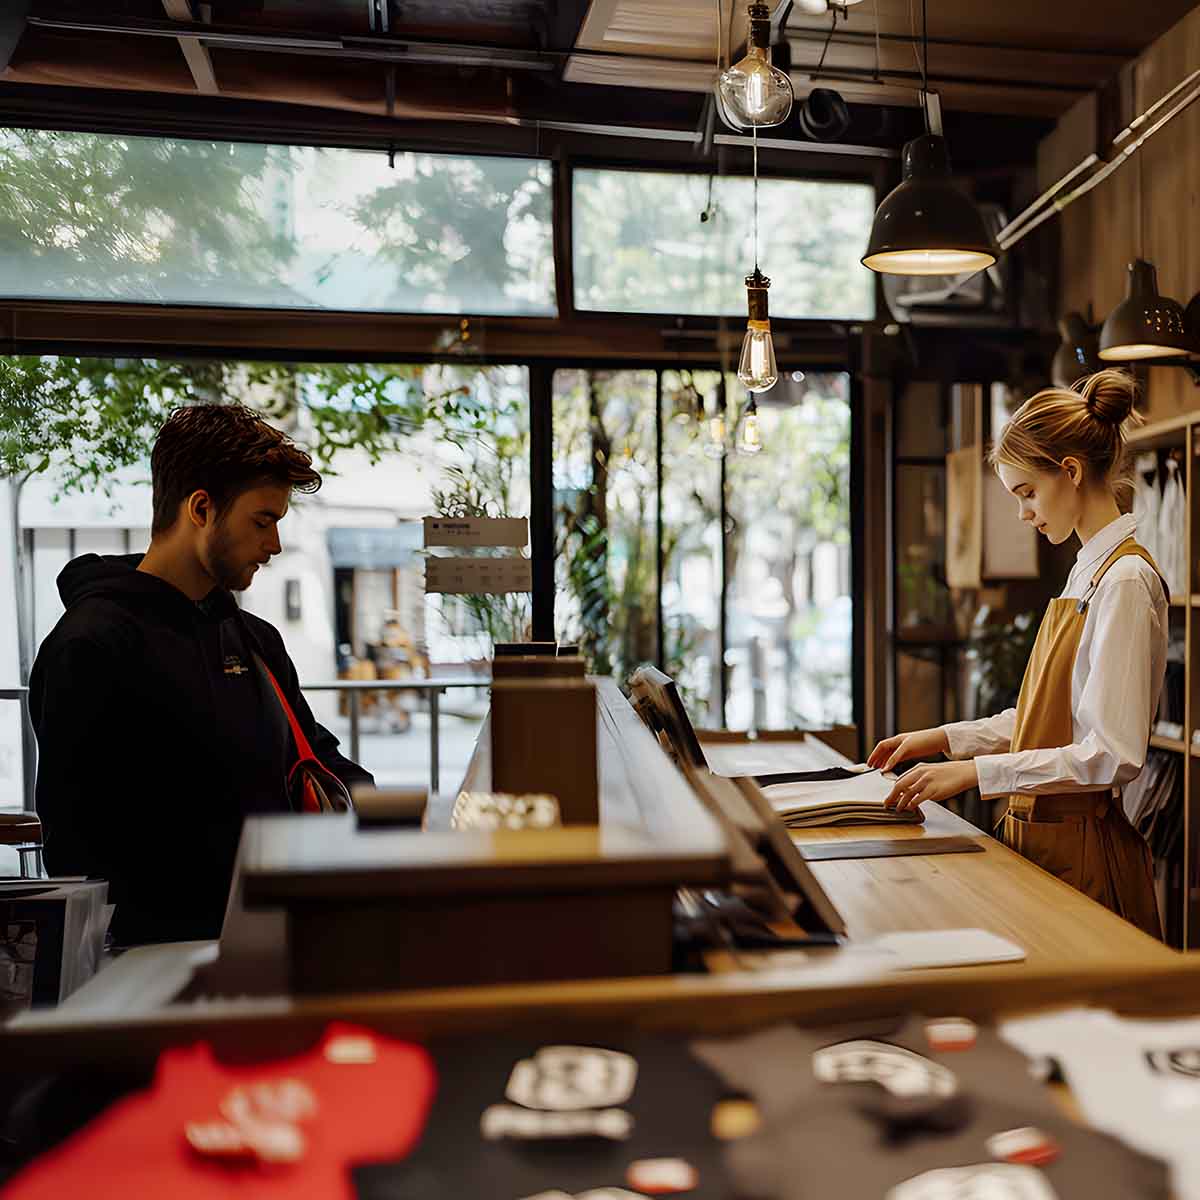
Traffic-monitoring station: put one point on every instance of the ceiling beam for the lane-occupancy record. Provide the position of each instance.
(12, 25)
(199, 61)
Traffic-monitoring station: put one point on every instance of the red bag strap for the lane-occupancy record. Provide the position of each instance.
(302, 746)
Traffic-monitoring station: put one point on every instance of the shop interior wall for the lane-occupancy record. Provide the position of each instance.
(1100, 234)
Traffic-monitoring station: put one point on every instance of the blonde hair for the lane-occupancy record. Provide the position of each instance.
(1088, 421)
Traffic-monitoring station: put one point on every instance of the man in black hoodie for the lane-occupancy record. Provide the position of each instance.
(157, 730)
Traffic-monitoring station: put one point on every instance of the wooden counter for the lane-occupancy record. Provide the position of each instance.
(1078, 952)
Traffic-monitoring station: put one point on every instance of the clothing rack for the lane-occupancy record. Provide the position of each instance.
(1178, 873)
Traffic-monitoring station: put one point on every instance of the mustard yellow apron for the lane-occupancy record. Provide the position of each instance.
(1083, 838)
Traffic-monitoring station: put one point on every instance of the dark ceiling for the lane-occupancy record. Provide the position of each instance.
(492, 71)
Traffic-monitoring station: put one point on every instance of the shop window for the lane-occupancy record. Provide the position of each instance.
(87, 216)
(640, 245)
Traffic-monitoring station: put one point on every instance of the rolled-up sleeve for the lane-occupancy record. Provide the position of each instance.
(989, 735)
(1113, 713)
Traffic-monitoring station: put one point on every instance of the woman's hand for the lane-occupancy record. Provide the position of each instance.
(932, 781)
(905, 746)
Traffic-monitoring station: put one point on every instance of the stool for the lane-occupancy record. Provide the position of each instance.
(23, 832)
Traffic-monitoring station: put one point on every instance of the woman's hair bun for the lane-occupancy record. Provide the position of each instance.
(1109, 395)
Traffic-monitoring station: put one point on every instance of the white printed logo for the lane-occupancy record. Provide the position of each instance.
(987, 1181)
(563, 1078)
(899, 1071)
(565, 1092)
(605, 1193)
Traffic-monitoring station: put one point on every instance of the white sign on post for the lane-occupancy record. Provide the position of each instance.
(476, 531)
(478, 576)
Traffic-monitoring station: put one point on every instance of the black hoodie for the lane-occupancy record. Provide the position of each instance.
(156, 737)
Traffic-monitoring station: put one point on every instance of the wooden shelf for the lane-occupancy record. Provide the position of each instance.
(1162, 743)
(1169, 432)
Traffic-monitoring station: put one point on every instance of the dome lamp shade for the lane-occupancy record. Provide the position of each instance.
(927, 225)
(1078, 354)
(1145, 325)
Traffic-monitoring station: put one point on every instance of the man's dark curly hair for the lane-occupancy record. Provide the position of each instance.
(224, 449)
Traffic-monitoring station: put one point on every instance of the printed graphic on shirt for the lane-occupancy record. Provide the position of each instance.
(565, 1092)
(563, 1078)
(1184, 1061)
(951, 1033)
(731, 1120)
(986, 1181)
(501, 1121)
(234, 665)
(662, 1176)
(606, 1193)
(1026, 1145)
(261, 1122)
(900, 1072)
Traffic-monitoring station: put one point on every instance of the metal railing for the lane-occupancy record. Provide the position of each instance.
(354, 689)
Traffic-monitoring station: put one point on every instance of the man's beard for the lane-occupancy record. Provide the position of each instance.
(224, 568)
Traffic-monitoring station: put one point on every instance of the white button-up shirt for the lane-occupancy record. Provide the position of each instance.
(1115, 684)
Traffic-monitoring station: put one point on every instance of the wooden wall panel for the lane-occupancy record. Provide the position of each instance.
(1102, 233)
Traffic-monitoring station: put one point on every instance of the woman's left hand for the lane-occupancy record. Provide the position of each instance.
(932, 781)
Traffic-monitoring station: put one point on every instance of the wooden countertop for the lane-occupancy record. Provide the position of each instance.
(1078, 952)
(997, 890)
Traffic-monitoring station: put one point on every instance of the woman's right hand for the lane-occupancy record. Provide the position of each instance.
(905, 746)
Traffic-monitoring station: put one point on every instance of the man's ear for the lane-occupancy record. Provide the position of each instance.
(200, 510)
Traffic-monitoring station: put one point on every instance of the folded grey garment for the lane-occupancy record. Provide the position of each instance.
(910, 1069)
(821, 1149)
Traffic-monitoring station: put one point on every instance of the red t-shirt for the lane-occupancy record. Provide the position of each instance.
(138, 1150)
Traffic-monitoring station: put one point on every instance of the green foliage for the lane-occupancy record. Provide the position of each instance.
(104, 217)
(1002, 653)
(641, 246)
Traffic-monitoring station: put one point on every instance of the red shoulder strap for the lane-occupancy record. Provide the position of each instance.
(302, 746)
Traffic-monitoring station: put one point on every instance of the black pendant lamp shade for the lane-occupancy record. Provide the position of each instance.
(1078, 355)
(1145, 324)
(927, 226)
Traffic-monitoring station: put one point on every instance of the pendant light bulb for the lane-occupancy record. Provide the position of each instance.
(753, 93)
(757, 368)
(750, 442)
(714, 442)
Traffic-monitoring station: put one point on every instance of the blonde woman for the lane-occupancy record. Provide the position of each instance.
(1082, 722)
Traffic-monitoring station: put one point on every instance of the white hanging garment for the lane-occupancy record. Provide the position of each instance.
(1172, 531)
(1147, 500)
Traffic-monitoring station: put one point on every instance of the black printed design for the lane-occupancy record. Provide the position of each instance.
(1184, 1061)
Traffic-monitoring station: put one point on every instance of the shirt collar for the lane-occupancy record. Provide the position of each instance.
(1100, 545)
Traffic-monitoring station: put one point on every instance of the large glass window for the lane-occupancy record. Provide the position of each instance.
(395, 442)
(788, 561)
(604, 507)
(160, 220)
(691, 594)
(640, 245)
(755, 595)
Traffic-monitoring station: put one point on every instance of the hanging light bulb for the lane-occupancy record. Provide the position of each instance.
(753, 94)
(714, 441)
(750, 441)
(756, 367)
(714, 427)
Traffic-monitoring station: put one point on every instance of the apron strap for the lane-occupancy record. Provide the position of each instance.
(1128, 546)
